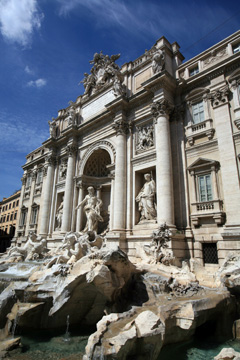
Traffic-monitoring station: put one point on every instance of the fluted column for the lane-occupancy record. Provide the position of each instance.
(45, 212)
(67, 204)
(121, 127)
(165, 206)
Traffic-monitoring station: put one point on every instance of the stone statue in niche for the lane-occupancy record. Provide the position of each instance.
(146, 199)
(92, 207)
(59, 215)
(104, 71)
(145, 137)
(158, 61)
(52, 128)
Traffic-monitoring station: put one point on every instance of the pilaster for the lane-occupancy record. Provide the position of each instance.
(227, 153)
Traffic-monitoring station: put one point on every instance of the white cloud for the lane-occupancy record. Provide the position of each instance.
(37, 83)
(28, 70)
(18, 19)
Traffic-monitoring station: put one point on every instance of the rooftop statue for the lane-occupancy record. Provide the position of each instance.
(104, 71)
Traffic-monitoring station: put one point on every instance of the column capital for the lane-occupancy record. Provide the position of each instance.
(71, 149)
(220, 96)
(122, 127)
(161, 108)
(24, 179)
(50, 159)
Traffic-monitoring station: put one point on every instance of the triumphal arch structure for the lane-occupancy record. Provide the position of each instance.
(146, 144)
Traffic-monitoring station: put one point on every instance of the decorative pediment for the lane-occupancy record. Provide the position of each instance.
(202, 163)
(196, 94)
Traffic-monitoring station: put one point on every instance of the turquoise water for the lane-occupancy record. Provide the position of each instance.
(196, 350)
(55, 348)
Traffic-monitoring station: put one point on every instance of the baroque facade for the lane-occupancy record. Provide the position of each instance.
(155, 141)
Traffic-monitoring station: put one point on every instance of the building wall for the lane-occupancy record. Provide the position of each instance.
(8, 218)
(180, 123)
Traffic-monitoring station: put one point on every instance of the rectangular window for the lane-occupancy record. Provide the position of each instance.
(39, 176)
(8, 217)
(13, 204)
(11, 217)
(236, 48)
(205, 188)
(28, 182)
(34, 215)
(198, 112)
(210, 254)
(15, 216)
(6, 207)
(17, 202)
(23, 218)
(194, 71)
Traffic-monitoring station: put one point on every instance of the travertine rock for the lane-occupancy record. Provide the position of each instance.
(228, 354)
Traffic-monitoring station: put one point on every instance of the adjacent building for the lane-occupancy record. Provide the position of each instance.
(8, 219)
(159, 141)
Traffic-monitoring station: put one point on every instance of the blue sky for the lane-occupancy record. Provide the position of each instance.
(46, 46)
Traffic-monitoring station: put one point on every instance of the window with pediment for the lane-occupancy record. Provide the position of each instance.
(199, 123)
(205, 195)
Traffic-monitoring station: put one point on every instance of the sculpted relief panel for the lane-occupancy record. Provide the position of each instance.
(144, 138)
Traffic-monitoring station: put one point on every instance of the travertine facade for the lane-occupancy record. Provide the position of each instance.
(159, 141)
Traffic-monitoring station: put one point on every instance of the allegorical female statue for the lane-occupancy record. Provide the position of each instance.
(146, 199)
(92, 206)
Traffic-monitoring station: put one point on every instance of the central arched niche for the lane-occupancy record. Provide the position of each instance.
(96, 174)
(96, 165)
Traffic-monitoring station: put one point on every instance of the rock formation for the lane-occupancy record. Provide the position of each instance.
(138, 308)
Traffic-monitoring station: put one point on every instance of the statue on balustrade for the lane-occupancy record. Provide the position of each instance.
(146, 199)
(92, 207)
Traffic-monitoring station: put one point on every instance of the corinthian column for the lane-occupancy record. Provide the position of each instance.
(45, 212)
(67, 204)
(121, 127)
(165, 208)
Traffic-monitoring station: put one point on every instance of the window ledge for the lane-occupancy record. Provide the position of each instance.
(204, 128)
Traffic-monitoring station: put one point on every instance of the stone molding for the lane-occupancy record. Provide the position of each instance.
(219, 97)
(161, 108)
